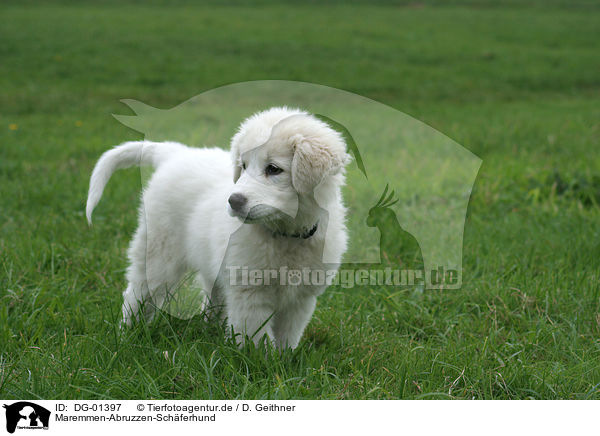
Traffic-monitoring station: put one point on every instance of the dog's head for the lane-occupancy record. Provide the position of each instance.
(280, 157)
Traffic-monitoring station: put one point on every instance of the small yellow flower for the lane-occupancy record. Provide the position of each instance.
(13, 126)
(78, 123)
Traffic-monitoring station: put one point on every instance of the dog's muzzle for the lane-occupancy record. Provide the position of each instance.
(237, 202)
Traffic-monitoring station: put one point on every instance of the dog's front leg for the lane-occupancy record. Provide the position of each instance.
(250, 313)
(290, 322)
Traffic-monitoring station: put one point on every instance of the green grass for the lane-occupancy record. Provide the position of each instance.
(515, 83)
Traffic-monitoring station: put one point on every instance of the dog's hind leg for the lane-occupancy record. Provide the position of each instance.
(136, 296)
(155, 270)
(134, 299)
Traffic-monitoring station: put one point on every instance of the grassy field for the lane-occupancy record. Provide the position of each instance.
(516, 83)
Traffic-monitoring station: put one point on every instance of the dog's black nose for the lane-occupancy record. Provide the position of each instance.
(237, 201)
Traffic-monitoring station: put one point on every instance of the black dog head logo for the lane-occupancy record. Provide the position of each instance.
(27, 414)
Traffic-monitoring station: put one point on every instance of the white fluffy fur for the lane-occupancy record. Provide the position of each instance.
(186, 224)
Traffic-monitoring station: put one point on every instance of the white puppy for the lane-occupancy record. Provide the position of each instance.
(245, 230)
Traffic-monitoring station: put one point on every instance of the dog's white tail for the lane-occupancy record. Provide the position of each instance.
(136, 153)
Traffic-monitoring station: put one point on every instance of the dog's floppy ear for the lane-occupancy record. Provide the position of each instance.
(237, 172)
(316, 158)
(235, 157)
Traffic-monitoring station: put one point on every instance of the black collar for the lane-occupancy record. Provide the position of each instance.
(304, 235)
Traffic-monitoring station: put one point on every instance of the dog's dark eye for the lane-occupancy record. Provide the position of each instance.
(244, 166)
(272, 170)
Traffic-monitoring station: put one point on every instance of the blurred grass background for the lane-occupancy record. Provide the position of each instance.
(515, 82)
